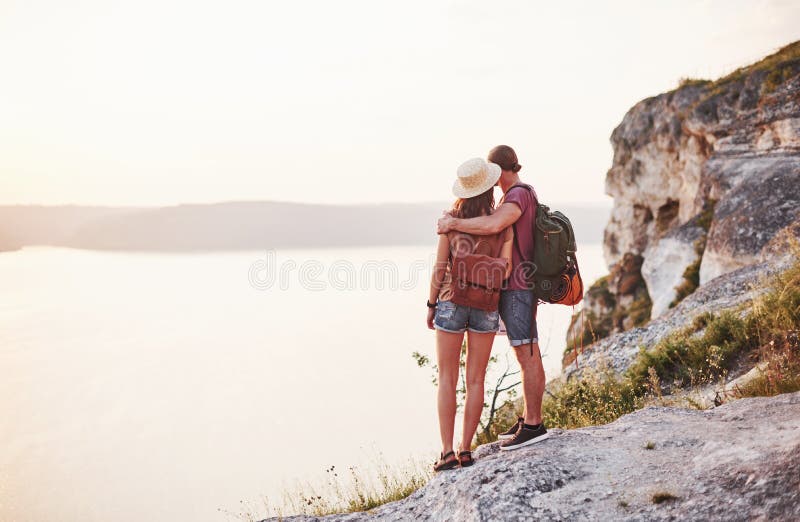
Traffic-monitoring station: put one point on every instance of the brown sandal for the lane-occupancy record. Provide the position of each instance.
(445, 464)
(465, 459)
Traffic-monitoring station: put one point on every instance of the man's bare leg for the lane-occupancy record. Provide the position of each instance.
(533, 378)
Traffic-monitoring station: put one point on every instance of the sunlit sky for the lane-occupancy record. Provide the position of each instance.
(162, 102)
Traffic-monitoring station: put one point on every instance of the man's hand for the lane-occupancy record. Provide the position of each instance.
(445, 223)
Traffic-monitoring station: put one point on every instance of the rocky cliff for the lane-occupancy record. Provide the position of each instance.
(731, 148)
(705, 180)
(737, 462)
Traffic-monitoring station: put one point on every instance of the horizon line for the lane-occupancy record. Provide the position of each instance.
(586, 204)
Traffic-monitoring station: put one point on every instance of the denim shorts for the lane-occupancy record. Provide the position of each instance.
(518, 310)
(454, 318)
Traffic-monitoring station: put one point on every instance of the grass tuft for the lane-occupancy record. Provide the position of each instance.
(776, 321)
(684, 359)
(688, 82)
(355, 489)
(640, 309)
(775, 78)
(593, 327)
(660, 497)
(774, 70)
(596, 398)
(780, 375)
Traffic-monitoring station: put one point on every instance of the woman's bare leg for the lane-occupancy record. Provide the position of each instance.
(448, 354)
(479, 349)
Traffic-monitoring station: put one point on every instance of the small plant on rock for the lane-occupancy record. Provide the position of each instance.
(660, 497)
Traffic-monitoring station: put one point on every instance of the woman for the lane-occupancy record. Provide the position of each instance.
(474, 188)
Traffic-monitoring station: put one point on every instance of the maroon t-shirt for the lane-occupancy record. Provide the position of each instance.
(525, 198)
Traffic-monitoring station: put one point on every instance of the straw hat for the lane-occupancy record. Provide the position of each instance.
(475, 177)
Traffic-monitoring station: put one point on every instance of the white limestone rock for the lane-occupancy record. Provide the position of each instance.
(663, 268)
(730, 142)
(737, 462)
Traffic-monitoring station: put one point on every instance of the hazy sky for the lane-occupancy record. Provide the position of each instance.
(161, 102)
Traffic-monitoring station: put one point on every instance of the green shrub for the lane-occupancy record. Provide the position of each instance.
(775, 78)
(704, 351)
(640, 309)
(776, 321)
(687, 82)
(662, 496)
(685, 358)
(595, 398)
(768, 332)
(777, 312)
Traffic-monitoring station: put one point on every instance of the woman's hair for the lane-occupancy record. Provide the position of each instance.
(480, 205)
(505, 156)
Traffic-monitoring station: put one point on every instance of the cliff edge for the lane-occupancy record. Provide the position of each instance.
(740, 461)
(729, 147)
(705, 181)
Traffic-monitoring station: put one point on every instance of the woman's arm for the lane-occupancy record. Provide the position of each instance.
(439, 270)
(439, 267)
(506, 249)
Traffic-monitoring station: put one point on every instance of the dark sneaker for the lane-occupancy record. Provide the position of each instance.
(524, 437)
(509, 434)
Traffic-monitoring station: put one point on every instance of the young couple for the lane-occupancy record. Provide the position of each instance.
(475, 226)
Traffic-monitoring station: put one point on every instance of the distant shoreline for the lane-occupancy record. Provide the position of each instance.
(430, 246)
(241, 226)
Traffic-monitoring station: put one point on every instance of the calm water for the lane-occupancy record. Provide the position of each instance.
(167, 387)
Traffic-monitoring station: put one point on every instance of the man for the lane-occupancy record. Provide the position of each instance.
(517, 302)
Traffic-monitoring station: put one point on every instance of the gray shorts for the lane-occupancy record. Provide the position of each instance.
(454, 318)
(518, 310)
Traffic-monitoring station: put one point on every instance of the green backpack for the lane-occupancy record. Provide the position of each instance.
(556, 278)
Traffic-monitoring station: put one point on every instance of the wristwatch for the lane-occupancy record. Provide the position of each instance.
(429, 305)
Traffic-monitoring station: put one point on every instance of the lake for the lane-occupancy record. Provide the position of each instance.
(173, 386)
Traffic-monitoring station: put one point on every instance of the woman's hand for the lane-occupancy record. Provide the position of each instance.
(445, 223)
(429, 320)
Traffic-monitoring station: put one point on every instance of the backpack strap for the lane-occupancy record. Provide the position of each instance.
(514, 225)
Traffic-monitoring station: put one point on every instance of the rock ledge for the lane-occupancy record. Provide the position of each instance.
(740, 461)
